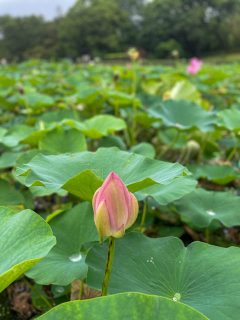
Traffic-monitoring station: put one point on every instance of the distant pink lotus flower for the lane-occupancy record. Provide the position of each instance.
(194, 66)
(115, 208)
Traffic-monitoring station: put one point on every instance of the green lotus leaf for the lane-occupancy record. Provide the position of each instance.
(25, 239)
(63, 141)
(200, 208)
(68, 171)
(98, 126)
(229, 119)
(9, 196)
(220, 174)
(165, 194)
(185, 90)
(145, 149)
(8, 159)
(203, 276)
(121, 306)
(183, 115)
(72, 229)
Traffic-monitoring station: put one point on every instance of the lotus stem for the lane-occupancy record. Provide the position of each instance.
(144, 214)
(108, 269)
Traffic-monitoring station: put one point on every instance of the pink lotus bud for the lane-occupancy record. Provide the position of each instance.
(194, 66)
(115, 208)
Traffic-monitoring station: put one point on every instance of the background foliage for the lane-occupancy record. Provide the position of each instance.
(100, 27)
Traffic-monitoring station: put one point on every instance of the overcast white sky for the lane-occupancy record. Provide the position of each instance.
(46, 8)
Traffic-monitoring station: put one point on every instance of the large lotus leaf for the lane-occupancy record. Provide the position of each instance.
(35, 136)
(184, 90)
(212, 75)
(15, 134)
(227, 142)
(200, 208)
(63, 141)
(72, 229)
(50, 132)
(165, 194)
(145, 149)
(145, 120)
(121, 99)
(3, 132)
(58, 115)
(183, 115)
(9, 196)
(220, 174)
(42, 130)
(98, 126)
(35, 100)
(25, 239)
(95, 127)
(229, 118)
(8, 159)
(69, 171)
(174, 138)
(83, 185)
(202, 276)
(112, 141)
(26, 157)
(124, 306)
(87, 94)
(6, 81)
(36, 191)
(32, 100)
(151, 84)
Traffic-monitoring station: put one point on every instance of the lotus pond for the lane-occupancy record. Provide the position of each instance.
(172, 138)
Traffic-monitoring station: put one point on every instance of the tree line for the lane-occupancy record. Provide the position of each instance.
(158, 28)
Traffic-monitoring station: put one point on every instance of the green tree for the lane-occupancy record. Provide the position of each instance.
(199, 26)
(20, 34)
(95, 27)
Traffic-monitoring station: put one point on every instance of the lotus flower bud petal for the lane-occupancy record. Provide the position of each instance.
(115, 208)
(102, 220)
(134, 205)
